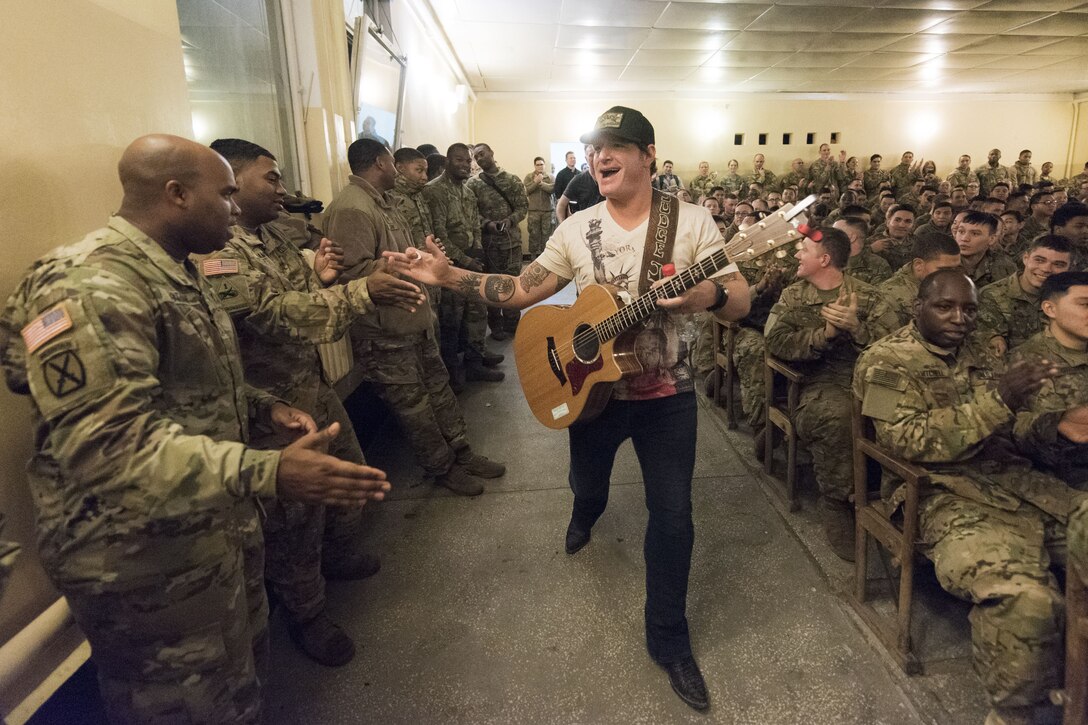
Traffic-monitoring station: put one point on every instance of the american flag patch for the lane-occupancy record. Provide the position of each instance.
(46, 326)
(213, 267)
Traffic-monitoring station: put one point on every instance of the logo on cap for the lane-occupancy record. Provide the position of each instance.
(610, 119)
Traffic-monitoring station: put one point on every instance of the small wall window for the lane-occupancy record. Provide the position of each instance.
(786, 138)
(738, 139)
(762, 139)
(810, 138)
(834, 137)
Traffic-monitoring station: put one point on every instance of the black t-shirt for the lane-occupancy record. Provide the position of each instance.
(562, 179)
(582, 192)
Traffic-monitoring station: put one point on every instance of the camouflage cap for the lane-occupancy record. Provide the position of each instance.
(622, 123)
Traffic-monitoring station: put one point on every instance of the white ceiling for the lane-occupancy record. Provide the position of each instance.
(826, 46)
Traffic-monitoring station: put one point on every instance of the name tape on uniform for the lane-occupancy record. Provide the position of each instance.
(213, 267)
(46, 326)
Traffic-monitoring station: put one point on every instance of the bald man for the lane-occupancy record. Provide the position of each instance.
(143, 483)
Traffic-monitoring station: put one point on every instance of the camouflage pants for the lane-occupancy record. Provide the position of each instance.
(410, 378)
(1000, 560)
(299, 537)
(748, 356)
(502, 261)
(823, 423)
(1078, 539)
(463, 325)
(702, 352)
(187, 644)
(540, 228)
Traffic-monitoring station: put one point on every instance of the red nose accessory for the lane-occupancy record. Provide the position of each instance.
(668, 270)
(814, 234)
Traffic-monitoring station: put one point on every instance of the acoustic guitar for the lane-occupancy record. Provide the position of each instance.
(570, 356)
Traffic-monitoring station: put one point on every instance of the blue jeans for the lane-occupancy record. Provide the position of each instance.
(663, 433)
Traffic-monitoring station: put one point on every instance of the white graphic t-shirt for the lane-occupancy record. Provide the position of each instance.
(590, 248)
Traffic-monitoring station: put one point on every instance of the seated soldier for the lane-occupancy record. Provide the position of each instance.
(863, 264)
(930, 254)
(1053, 429)
(820, 324)
(1071, 221)
(1012, 222)
(939, 222)
(894, 244)
(1008, 312)
(989, 523)
(982, 260)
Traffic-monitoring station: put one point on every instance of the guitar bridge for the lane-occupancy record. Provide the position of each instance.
(553, 362)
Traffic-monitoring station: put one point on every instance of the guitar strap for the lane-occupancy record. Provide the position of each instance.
(660, 238)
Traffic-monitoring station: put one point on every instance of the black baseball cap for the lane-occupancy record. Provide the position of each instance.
(623, 123)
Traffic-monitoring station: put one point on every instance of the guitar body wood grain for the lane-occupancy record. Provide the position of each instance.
(561, 385)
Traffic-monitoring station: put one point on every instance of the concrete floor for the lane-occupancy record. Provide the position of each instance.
(478, 616)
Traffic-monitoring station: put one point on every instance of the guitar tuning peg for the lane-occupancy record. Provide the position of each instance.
(781, 254)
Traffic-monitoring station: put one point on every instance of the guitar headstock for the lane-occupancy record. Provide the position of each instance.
(773, 231)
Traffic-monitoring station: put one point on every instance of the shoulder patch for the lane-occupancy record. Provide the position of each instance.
(887, 378)
(46, 326)
(215, 267)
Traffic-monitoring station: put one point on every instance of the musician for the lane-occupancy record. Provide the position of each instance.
(606, 244)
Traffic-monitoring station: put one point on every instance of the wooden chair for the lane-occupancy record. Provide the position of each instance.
(875, 519)
(781, 412)
(725, 371)
(1074, 697)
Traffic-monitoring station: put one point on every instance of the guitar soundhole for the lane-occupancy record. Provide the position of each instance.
(586, 345)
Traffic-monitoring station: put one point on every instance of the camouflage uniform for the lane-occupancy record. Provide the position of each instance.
(990, 175)
(1037, 427)
(395, 348)
(900, 290)
(897, 252)
(902, 177)
(822, 173)
(463, 322)
(795, 333)
(143, 488)
(280, 311)
(872, 181)
(792, 178)
(734, 183)
(1007, 310)
(701, 184)
(1077, 535)
(1022, 173)
(990, 523)
(502, 250)
(408, 198)
(539, 220)
(924, 230)
(9, 552)
(765, 177)
(961, 178)
(1031, 229)
(993, 266)
(869, 267)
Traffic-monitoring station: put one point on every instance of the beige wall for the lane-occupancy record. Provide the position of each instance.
(690, 131)
(1079, 152)
(81, 79)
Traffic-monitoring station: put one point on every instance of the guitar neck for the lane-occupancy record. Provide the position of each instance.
(645, 305)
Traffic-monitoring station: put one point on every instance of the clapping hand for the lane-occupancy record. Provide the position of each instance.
(841, 315)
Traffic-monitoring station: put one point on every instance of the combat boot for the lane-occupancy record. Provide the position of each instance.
(475, 372)
(499, 334)
(460, 482)
(491, 359)
(477, 465)
(323, 641)
(457, 379)
(838, 520)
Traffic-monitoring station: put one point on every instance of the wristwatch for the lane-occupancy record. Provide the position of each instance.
(720, 300)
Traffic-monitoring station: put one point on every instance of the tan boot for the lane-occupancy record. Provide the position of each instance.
(838, 520)
(323, 641)
(460, 482)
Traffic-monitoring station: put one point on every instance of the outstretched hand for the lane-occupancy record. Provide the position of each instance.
(429, 267)
(1023, 380)
(307, 473)
(388, 289)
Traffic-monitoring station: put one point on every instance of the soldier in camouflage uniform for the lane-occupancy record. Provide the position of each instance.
(991, 172)
(143, 485)
(796, 176)
(759, 174)
(1008, 310)
(281, 310)
(962, 175)
(990, 523)
(457, 224)
(905, 174)
(864, 265)
(9, 552)
(1053, 428)
(1022, 172)
(930, 254)
(820, 324)
(982, 260)
(1042, 206)
(824, 171)
(700, 185)
(874, 176)
(395, 348)
(501, 201)
(895, 241)
(407, 196)
(1071, 222)
(538, 188)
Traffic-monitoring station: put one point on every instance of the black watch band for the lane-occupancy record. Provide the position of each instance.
(720, 300)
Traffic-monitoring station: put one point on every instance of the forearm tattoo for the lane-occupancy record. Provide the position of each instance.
(533, 276)
(560, 283)
(469, 285)
(498, 287)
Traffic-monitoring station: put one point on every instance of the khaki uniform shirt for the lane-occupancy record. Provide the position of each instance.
(495, 205)
(455, 216)
(539, 193)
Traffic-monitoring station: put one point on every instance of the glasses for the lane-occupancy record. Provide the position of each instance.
(1048, 202)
